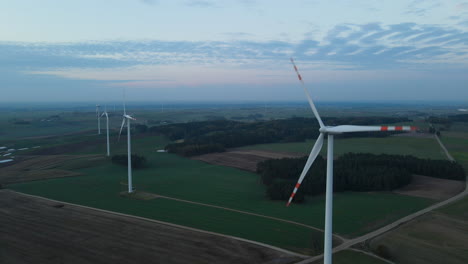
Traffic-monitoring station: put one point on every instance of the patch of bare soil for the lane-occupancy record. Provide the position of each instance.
(432, 238)
(65, 148)
(34, 230)
(432, 188)
(30, 168)
(244, 159)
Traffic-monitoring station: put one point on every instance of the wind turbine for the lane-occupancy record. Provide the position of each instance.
(107, 128)
(330, 131)
(127, 118)
(99, 119)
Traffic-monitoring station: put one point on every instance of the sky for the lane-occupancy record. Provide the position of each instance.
(233, 50)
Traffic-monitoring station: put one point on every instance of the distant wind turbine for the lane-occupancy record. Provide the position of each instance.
(126, 119)
(99, 119)
(107, 128)
(330, 132)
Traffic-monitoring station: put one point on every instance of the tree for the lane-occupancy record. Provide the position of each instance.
(138, 161)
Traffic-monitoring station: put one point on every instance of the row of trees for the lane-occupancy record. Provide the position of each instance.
(217, 135)
(138, 161)
(352, 172)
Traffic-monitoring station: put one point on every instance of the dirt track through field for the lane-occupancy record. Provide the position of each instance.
(253, 214)
(37, 230)
(449, 157)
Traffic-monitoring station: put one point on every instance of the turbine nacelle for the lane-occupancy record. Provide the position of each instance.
(128, 117)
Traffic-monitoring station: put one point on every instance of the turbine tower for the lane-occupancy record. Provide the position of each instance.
(98, 119)
(126, 119)
(330, 131)
(107, 128)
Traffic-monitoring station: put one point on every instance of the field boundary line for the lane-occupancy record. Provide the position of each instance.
(249, 213)
(389, 227)
(449, 157)
(166, 223)
(371, 255)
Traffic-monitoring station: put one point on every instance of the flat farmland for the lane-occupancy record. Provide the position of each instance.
(417, 146)
(39, 231)
(244, 159)
(431, 238)
(33, 168)
(352, 257)
(432, 188)
(192, 180)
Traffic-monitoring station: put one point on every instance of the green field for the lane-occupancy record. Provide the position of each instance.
(174, 176)
(456, 143)
(418, 147)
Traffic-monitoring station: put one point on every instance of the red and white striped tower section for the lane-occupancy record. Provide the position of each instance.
(330, 131)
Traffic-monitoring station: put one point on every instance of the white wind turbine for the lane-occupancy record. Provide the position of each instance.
(99, 119)
(330, 131)
(127, 118)
(107, 128)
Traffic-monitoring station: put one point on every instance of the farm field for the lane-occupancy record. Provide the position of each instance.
(456, 143)
(197, 181)
(99, 185)
(433, 238)
(243, 159)
(352, 257)
(440, 236)
(418, 147)
(39, 231)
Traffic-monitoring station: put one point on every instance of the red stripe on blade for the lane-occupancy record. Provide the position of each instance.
(413, 128)
(398, 128)
(384, 128)
(297, 185)
(300, 78)
(292, 195)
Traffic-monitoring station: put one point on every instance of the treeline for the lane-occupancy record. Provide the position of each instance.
(352, 172)
(447, 121)
(138, 161)
(215, 136)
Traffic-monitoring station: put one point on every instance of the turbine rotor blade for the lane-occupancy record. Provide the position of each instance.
(309, 98)
(121, 127)
(350, 128)
(125, 111)
(312, 156)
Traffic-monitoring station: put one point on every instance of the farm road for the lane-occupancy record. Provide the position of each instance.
(352, 242)
(449, 157)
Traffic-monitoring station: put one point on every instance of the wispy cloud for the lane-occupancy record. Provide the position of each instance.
(201, 3)
(422, 7)
(346, 47)
(149, 2)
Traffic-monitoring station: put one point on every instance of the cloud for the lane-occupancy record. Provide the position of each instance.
(422, 7)
(149, 2)
(201, 3)
(348, 50)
